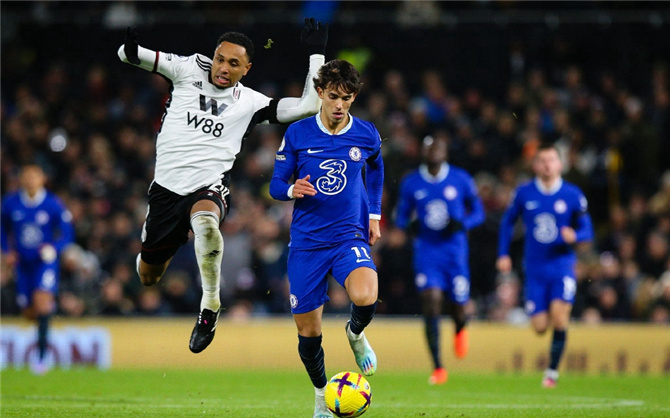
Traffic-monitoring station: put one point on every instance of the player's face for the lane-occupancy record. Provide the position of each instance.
(229, 65)
(435, 151)
(335, 106)
(547, 164)
(32, 179)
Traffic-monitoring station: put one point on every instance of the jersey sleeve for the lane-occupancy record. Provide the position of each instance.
(375, 179)
(507, 224)
(582, 220)
(168, 64)
(475, 216)
(286, 161)
(290, 109)
(406, 204)
(64, 225)
(5, 227)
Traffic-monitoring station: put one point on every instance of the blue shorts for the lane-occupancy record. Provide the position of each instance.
(35, 276)
(547, 283)
(442, 268)
(308, 271)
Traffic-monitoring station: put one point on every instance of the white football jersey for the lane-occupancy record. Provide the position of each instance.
(203, 126)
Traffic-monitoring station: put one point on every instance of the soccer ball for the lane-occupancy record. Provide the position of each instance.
(348, 394)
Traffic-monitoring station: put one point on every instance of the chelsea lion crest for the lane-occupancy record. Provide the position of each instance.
(355, 154)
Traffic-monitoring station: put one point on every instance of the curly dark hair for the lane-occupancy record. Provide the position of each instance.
(238, 39)
(339, 74)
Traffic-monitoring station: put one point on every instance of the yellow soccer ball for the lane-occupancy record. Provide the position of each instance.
(348, 394)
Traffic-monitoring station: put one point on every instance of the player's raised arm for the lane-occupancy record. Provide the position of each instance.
(130, 52)
(314, 37)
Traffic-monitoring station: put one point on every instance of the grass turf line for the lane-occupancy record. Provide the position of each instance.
(221, 393)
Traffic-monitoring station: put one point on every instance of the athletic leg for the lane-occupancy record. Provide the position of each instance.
(313, 357)
(205, 215)
(431, 306)
(362, 287)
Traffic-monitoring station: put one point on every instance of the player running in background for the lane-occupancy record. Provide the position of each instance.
(207, 117)
(554, 213)
(36, 228)
(445, 202)
(336, 161)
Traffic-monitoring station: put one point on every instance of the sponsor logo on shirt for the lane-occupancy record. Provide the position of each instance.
(197, 84)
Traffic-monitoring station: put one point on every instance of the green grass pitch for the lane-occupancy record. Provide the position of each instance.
(221, 393)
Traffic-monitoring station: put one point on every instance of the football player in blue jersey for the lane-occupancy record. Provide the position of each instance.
(554, 213)
(445, 202)
(337, 165)
(36, 228)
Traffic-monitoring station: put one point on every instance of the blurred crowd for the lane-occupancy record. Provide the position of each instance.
(95, 137)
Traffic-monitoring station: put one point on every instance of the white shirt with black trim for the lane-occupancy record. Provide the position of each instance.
(203, 126)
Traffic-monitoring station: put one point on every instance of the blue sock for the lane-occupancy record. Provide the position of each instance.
(361, 317)
(557, 346)
(433, 337)
(42, 334)
(312, 356)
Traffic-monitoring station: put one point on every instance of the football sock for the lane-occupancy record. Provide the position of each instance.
(460, 325)
(557, 346)
(433, 338)
(208, 252)
(137, 263)
(42, 333)
(312, 356)
(361, 317)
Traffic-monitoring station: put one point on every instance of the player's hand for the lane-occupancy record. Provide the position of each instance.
(303, 187)
(131, 45)
(452, 227)
(314, 36)
(568, 234)
(375, 231)
(10, 259)
(504, 264)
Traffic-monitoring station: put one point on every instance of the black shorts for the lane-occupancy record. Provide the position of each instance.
(169, 218)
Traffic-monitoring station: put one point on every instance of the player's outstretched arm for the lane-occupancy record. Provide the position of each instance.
(314, 37)
(131, 53)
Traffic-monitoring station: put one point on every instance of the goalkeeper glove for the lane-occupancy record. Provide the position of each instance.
(131, 45)
(314, 36)
(452, 227)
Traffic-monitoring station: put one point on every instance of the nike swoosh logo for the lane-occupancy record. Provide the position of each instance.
(361, 261)
(313, 151)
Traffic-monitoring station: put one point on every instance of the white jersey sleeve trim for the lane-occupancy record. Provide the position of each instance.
(376, 217)
(290, 109)
(148, 58)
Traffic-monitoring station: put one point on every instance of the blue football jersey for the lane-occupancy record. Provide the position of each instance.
(543, 214)
(28, 224)
(449, 196)
(347, 172)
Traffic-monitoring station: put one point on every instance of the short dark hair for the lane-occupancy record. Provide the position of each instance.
(238, 39)
(339, 74)
(546, 146)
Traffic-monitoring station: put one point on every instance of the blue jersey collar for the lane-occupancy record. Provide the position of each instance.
(34, 202)
(326, 131)
(441, 175)
(548, 191)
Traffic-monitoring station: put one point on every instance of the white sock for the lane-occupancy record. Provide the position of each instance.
(137, 263)
(208, 252)
(352, 336)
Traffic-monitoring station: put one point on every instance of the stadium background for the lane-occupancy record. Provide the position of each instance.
(495, 77)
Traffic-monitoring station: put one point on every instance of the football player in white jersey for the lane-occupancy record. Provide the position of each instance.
(208, 115)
